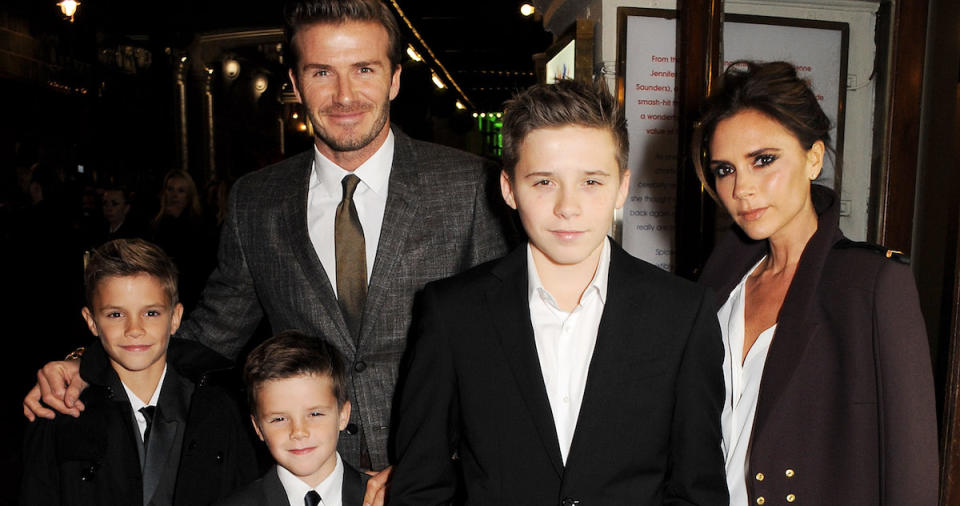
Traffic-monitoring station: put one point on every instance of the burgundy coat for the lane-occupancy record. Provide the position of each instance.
(846, 412)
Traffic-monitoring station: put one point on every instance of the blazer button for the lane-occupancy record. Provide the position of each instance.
(88, 473)
(789, 473)
(569, 501)
(759, 476)
(351, 429)
(360, 366)
(761, 500)
(219, 457)
(791, 498)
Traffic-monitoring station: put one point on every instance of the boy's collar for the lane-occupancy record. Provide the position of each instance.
(535, 286)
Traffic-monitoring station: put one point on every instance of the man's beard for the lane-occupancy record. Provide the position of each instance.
(352, 143)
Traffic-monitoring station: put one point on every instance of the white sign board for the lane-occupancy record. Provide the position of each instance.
(648, 73)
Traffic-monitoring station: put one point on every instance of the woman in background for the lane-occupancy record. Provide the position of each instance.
(827, 368)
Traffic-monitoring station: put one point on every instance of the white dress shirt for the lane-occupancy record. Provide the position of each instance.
(565, 343)
(742, 382)
(136, 403)
(370, 199)
(330, 489)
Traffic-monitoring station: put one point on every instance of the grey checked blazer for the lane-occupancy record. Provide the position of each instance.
(438, 221)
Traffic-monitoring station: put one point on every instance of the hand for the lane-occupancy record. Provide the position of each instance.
(377, 487)
(59, 385)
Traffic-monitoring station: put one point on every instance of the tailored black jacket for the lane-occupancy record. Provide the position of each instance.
(846, 411)
(96, 459)
(648, 432)
(268, 490)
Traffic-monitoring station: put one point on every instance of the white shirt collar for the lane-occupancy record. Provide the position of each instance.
(135, 401)
(598, 284)
(373, 173)
(330, 489)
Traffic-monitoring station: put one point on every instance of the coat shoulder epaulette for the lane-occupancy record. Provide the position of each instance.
(892, 254)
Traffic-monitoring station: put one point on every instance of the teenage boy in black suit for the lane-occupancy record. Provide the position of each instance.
(567, 372)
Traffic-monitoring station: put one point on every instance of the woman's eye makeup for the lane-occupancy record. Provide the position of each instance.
(764, 159)
(722, 170)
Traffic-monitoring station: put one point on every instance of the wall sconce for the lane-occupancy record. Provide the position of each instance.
(436, 80)
(231, 68)
(413, 54)
(68, 8)
(260, 85)
(527, 9)
(460, 105)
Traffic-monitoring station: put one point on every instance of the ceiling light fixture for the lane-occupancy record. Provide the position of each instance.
(527, 9)
(413, 54)
(68, 8)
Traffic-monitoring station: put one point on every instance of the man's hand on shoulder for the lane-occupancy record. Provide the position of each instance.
(58, 386)
(377, 487)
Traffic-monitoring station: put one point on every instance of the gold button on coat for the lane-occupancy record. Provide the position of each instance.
(791, 498)
(759, 476)
(761, 500)
(789, 473)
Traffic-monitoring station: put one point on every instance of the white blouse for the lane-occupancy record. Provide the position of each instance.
(742, 382)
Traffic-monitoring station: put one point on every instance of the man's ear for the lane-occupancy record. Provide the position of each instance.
(506, 189)
(344, 416)
(293, 82)
(395, 82)
(91, 323)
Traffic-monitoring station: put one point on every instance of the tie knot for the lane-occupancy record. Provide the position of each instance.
(349, 183)
(147, 412)
(312, 498)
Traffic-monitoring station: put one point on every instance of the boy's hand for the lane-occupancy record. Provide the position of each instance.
(59, 385)
(377, 487)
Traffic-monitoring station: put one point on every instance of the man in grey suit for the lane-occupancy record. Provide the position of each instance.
(312, 248)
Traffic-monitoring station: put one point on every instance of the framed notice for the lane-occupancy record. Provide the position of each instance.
(571, 55)
(646, 83)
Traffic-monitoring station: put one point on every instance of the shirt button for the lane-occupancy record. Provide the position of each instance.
(566, 399)
(360, 366)
(759, 476)
(789, 473)
(761, 500)
(791, 498)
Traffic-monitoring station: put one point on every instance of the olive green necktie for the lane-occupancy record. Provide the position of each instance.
(351, 258)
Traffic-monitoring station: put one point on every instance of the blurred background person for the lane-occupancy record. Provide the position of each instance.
(179, 229)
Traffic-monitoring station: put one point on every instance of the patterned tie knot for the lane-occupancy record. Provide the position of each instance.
(349, 183)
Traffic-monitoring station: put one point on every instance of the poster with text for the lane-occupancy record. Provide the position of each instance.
(648, 72)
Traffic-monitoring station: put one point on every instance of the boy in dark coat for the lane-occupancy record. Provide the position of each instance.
(150, 434)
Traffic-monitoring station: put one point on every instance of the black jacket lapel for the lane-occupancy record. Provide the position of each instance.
(509, 309)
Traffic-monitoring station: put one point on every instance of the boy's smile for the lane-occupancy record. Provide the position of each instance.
(566, 185)
(298, 419)
(133, 317)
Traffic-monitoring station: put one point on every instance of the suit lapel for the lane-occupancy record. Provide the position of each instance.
(352, 489)
(798, 322)
(273, 491)
(509, 310)
(294, 224)
(169, 423)
(398, 218)
(623, 312)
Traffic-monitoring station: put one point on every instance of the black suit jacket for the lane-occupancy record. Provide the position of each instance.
(268, 491)
(649, 425)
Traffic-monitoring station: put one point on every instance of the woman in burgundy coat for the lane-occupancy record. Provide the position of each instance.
(827, 369)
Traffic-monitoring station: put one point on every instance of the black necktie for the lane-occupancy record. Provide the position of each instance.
(147, 412)
(312, 498)
(351, 257)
